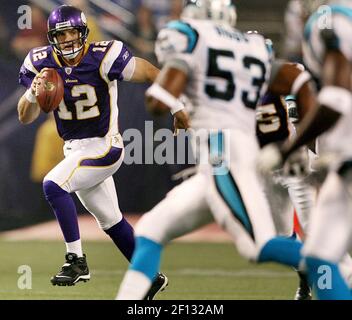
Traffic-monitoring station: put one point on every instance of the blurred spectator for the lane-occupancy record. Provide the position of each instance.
(162, 10)
(152, 15)
(47, 151)
(95, 34)
(145, 32)
(27, 39)
(129, 5)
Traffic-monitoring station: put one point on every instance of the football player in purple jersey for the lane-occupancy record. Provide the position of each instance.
(87, 120)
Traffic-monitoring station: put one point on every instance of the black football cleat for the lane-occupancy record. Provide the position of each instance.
(304, 291)
(159, 284)
(74, 270)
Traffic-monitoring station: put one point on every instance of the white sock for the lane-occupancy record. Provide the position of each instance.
(75, 247)
(134, 286)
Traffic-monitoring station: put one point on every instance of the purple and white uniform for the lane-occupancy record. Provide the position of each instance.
(87, 119)
(89, 108)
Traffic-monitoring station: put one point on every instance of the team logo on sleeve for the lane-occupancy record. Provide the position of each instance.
(68, 70)
(125, 56)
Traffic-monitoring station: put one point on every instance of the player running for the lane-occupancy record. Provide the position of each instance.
(328, 54)
(224, 73)
(87, 119)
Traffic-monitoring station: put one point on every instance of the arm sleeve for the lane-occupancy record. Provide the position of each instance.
(339, 37)
(118, 63)
(27, 72)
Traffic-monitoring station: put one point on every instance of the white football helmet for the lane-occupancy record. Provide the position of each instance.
(216, 10)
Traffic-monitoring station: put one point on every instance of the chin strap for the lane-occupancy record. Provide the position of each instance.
(72, 55)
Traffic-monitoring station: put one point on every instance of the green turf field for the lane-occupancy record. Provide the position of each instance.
(195, 270)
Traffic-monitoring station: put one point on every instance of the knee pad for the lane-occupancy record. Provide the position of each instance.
(52, 190)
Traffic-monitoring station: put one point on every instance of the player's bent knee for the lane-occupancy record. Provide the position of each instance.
(106, 223)
(52, 190)
(151, 228)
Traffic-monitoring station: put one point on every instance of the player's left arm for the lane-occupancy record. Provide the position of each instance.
(334, 99)
(173, 48)
(144, 71)
(293, 79)
(288, 79)
(163, 95)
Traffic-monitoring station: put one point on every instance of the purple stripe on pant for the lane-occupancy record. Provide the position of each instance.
(109, 159)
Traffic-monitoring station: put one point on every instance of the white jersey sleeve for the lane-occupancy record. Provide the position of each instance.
(118, 63)
(330, 28)
(176, 42)
(343, 30)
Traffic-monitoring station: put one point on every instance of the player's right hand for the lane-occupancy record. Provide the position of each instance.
(269, 159)
(35, 81)
(181, 121)
(297, 164)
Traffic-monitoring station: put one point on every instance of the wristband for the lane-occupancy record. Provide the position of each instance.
(159, 93)
(30, 96)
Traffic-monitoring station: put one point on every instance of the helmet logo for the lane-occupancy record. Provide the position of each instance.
(64, 24)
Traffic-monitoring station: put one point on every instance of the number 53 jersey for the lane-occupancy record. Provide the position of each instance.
(89, 108)
(228, 71)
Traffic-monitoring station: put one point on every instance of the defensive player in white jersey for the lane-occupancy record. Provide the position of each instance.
(328, 54)
(87, 120)
(224, 73)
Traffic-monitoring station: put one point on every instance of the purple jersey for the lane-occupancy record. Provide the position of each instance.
(89, 108)
(272, 120)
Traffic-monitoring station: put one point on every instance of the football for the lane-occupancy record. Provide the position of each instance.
(50, 90)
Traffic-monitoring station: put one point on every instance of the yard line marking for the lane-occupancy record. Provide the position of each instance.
(211, 272)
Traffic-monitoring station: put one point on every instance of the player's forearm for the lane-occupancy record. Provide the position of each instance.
(152, 73)
(144, 71)
(155, 107)
(163, 95)
(317, 121)
(334, 98)
(27, 111)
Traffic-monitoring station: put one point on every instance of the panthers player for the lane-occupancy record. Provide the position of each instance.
(224, 73)
(328, 54)
(87, 120)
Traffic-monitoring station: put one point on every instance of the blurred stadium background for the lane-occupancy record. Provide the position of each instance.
(27, 153)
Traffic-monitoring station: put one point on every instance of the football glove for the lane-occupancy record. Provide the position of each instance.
(297, 164)
(269, 159)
